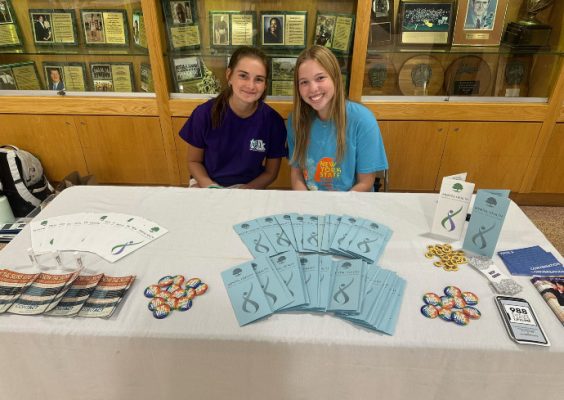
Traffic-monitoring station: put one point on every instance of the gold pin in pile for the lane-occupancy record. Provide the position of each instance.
(449, 259)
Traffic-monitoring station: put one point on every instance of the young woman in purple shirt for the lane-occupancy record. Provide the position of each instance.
(236, 139)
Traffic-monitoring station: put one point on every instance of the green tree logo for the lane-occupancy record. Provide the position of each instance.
(457, 187)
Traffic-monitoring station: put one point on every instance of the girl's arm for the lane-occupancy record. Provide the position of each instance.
(271, 168)
(197, 168)
(297, 179)
(364, 182)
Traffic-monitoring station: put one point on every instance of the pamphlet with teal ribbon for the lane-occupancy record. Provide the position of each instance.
(488, 215)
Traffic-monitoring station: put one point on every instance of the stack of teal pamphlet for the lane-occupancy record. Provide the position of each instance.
(281, 279)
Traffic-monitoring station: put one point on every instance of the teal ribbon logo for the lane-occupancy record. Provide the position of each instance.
(120, 248)
(282, 240)
(259, 247)
(363, 245)
(342, 294)
(267, 293)
(480, 236)
(247, 301)
(448, 219)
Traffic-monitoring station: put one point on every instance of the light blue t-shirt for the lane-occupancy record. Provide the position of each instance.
(364, 151)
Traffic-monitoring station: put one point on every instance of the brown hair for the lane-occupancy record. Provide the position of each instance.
(304, 114)
(222, 99)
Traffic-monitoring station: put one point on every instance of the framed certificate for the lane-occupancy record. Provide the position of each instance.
(112, 77)
(232, 28)
(426, 22)
(69, 77)
(9, 30)
(479, 22)
(187, 72)
(53, 27)
(21, 76)
(282, 71)
(146, 78)
(381, 23)
(286, 29)
(334, 31)
(138, 29)
(182, 25)
(105, 27)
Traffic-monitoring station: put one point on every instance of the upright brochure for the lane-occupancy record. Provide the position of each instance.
(275, 234)
(271, 283)
(285, 222)
(485, 225)
(41, 293)
(551, 289)
(254, 238)
(340, 236)
(288, 266)
(310, 236)
(452, 207)
(326, 272)
(297, 226)
(531, 261)
(370, 241)
(105, 298)
(244, 290)
(346, 288)
(73, 300)
(12, 285)
(310, 268)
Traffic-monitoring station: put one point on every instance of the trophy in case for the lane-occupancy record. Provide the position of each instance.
(529, 32)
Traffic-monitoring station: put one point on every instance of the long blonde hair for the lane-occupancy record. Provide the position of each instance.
(304, 114)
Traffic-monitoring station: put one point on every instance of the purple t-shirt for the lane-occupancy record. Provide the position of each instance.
(235, 151)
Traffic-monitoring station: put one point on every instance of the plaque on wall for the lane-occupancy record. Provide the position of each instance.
(380, 76)
(65, 76)
(182, 25)
(9, 30)
(381, 23)
(479, 22)
(421, 75)
(426, 22)
(232, 28)
(112, 77)
(53, 27)
(187, 72)
(20, 76)
(282, 72)
(138, 27)
(146, 78)
(513, 75)
(468, 76)
(105, 27)
(334, 31)
(283, 29)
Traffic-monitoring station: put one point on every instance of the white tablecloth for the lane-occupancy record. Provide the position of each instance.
(204, 354)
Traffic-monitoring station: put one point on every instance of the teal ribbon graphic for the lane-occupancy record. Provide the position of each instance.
(341, 292)
(120, 248)
(480, 235)
(247, 300)
(267, 293)
(449, 219)
(282, 239)
(259, 246)
(287, 282)
(312, 239)
(365, 244)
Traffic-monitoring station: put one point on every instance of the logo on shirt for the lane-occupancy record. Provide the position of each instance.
(257, 145)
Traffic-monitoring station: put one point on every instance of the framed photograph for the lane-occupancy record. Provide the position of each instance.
(282, 72)
(146, 78)
(479, 22)
(9, 30)
(381, 23)
(182, 26)
(138, 29)
(7, 80)
(70, 77)
(232, 28)
(53, 27)
(426, 22)
(112, 77)
(105, 27)
(20, 76)
(283, 29)
(186, 70)
(334, 31)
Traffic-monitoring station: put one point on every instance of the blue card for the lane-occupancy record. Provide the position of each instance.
(346, 287)
(271, 283)
(297, 226)
(320, 231)
(387, 320)
(247, 298)
(275, 234)
(340, 236)
(326, 273)
(531, 261)
(285, 222)
(485, 225)
(310, 268)
(288, 266)
(382, 299)
(370, 240)
(254, 238)
(310, 238)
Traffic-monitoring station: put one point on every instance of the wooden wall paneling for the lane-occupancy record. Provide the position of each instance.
(550, 178)
(283, 179)
(359, 49)
(494, 154)
(126, 150)
(414, 151)
(52, 138)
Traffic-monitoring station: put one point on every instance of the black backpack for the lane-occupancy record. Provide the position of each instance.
(22, 180)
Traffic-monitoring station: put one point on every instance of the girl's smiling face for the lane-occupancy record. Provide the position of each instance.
(316, 87)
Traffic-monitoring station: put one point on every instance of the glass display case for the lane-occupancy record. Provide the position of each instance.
(72, 46)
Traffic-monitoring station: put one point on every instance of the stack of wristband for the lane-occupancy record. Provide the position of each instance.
(173, 293)
(455, 306)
